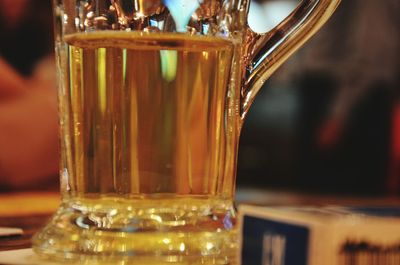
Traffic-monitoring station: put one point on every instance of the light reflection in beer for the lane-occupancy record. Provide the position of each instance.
(169, 64)
(182, 247)
(102, 79)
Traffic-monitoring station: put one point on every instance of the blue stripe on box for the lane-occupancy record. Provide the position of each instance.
(267, 242)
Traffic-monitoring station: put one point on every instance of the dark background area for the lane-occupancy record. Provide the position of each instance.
(26, 41)
(326, 120)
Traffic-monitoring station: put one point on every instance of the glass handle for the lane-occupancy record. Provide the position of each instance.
(266, 52)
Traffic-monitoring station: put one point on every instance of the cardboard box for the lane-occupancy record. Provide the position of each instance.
(319, 236)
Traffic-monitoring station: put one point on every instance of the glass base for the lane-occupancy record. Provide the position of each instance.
(162, 230)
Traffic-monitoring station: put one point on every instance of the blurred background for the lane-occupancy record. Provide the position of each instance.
(328, 121)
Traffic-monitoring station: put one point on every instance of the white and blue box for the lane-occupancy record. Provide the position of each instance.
(319, 236)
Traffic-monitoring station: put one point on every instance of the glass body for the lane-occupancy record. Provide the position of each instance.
(152, 96)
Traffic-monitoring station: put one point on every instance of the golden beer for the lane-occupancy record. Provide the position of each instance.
(144, 115)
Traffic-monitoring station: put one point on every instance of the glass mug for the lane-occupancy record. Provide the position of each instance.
(152, 97)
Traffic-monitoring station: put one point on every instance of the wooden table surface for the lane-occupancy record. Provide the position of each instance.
(29, 211)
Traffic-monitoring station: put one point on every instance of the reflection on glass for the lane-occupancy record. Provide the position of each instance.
(272, 12)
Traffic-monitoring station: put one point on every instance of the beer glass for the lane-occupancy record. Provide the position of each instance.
(152, 97)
